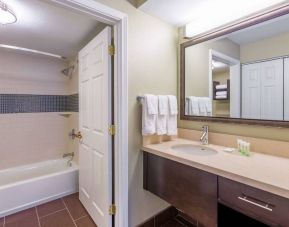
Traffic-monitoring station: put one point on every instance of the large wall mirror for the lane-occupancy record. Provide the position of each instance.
(241, 76)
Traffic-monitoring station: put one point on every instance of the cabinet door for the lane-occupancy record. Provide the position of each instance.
(251, 91)
(272, 90)
(286, 89)
(190, 190)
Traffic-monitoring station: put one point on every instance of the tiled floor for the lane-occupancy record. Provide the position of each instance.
(64, 212)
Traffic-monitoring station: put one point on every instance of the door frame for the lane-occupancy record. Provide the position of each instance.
(119, 21)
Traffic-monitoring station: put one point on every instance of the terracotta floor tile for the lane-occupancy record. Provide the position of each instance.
(58, 219)
(26, 218)
(50, 207)
(74, 206)
(85, 222)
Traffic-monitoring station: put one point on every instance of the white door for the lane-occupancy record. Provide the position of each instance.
(95, 170)
(272, 90)
(286, 89)
(251, 91)
(235, 91)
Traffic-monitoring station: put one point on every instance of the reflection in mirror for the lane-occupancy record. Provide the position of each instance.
(244, 74)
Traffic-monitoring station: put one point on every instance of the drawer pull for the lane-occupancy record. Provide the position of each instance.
(265, 207)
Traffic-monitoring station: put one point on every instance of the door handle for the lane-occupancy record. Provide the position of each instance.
(265, 207)
(78, 135)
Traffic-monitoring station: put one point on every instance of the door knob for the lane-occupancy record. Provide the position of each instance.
(75, 135)
(78, 135)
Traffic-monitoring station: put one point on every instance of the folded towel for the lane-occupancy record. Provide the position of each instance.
(221, 86)
(173, 105)
(172, 128)
(220, 93)
(194, 105)
(163, 115)
(202, 106)
(149, 114)
(163, 104)
(187, 106)
(208, 104)
(221, 97)
(152, 103)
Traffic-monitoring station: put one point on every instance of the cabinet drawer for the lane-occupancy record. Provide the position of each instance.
(263, 206)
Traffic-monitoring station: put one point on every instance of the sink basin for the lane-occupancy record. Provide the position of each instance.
(194, 149)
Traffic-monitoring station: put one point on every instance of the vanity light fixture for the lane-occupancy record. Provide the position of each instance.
(213, 14)
(7, 16)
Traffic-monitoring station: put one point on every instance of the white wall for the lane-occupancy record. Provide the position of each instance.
(31, 137)
(22, 73)
(266, 48)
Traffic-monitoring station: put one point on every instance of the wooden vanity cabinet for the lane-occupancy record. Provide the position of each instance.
(197, 193)
(258, 204)
(190, 190)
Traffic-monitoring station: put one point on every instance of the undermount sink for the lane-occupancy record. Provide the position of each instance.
(194, 149)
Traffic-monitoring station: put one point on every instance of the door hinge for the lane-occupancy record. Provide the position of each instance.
(112, 209)
(111, 50)
(112, 130)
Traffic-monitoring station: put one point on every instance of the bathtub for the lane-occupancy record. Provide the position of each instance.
(26, 186)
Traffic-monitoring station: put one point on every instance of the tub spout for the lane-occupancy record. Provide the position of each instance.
(71, 155)
(68, 155)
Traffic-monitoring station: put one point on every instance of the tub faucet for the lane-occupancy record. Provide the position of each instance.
(205, 135)
(71, 155)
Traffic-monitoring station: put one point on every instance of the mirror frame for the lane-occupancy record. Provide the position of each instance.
(246, 22)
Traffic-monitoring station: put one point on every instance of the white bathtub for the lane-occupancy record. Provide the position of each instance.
(26, 186)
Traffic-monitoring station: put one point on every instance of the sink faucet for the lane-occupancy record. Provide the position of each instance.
(205, 135)
(71, 155)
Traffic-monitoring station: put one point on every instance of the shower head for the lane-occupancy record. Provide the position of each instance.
(68, 71)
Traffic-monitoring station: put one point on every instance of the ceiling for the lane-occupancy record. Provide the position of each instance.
(49, 28)
(261, 31)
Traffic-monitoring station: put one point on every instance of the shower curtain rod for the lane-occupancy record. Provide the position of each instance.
(32, 51)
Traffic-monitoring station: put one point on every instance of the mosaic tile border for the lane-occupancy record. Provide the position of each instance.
(24, 103)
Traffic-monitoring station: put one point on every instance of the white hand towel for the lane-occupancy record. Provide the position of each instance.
(221, 86)
(152, 103)
(162, 115)
(172, 128)
(218, 93)
(173, 105)
(202, 106)
(187, 106)
(221, 97)
(208, 103)
(194, 106)
(149, 114)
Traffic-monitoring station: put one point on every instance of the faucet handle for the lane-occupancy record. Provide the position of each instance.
(205, 127)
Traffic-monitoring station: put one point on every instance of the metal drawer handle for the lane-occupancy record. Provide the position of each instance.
(245, 199)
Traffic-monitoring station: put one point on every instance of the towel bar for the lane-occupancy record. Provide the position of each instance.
(139, 98)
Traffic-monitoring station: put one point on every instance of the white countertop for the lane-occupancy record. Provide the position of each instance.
(266, 172)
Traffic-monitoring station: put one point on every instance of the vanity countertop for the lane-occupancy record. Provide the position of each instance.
(265, 172)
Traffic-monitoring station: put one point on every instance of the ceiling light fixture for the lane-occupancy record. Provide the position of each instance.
(7, 16)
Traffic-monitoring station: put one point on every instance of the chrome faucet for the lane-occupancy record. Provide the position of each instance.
(71, 155)
(205, 135)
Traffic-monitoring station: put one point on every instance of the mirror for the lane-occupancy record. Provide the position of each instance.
(241, 75)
